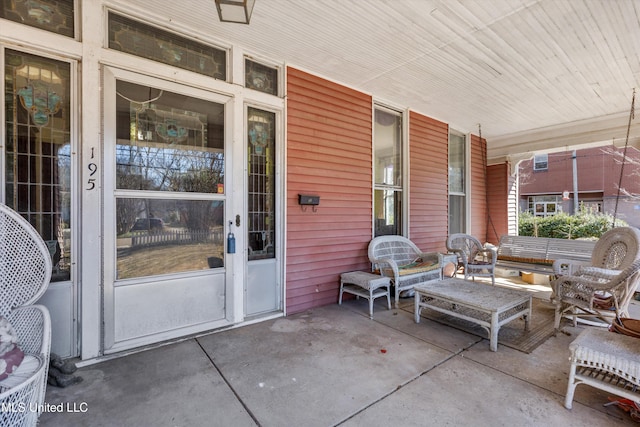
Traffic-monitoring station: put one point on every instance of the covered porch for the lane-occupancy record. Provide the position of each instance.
(332, 365)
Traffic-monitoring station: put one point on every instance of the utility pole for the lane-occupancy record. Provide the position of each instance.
(575, 183)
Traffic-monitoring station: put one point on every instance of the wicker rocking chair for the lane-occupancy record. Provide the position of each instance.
(603, 289)
(472, 256)
(25, 271)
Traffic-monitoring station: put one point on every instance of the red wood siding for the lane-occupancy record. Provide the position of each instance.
(478, 188)
(428, 188)
(498, 196)
(329, 133)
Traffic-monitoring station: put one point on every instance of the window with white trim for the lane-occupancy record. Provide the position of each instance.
(541, 162)
(387, 171)
(457, 182)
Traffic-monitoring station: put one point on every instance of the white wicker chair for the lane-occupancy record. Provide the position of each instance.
(580, 294)
(615, 250)
(25, 271)
(472, 256)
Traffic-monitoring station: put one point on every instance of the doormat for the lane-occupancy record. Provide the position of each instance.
(512, 334)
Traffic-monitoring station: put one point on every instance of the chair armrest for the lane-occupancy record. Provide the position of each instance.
(588, 280)
(567, 267)
(597, 273)
(490, 253)
(384, 264)
(32, 324)
(431, 256)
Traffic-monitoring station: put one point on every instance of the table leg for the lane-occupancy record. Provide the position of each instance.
(371, 303)
(416, 308)
(493, 339)
(527, 317)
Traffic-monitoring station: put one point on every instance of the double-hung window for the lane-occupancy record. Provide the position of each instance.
(387, 171)
(457, 182)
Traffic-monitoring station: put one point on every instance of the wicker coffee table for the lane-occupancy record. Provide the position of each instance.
(488, 306)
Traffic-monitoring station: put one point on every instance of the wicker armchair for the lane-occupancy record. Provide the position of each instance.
(25, 271)
(475, 259)
(596, 293)
(615, 250)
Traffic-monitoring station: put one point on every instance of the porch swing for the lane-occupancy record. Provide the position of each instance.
(602, 290)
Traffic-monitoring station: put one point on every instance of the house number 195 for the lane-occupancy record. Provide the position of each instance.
(93, 168)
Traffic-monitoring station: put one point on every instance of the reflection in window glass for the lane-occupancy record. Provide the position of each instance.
(162, 236)
(388, 212)
(456, 163)
(168, 142)
(388, 147)
(456, 214)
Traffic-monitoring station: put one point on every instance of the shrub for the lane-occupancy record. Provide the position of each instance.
(585, 225)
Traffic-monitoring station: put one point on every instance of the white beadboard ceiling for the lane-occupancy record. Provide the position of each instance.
(534, 74)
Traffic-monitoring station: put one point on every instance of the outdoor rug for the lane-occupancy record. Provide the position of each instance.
(512, 334)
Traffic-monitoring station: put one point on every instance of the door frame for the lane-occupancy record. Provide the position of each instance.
(233, 291)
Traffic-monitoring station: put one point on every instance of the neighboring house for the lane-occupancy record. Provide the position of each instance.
(546, 182)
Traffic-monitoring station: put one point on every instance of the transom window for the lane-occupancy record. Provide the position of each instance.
(51, 15)
(136, 38)
(260, 77)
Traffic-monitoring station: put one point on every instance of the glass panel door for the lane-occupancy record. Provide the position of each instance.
(165, 199)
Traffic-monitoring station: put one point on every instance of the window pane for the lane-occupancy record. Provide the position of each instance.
(456, 163)
(168, 236)
(456, 214)
(51, 15)
(388, 148)
(38, 150)
(388, 212)
(262, 197)
(136, 38)
(540, 162)
(260, 77)
(168, 142)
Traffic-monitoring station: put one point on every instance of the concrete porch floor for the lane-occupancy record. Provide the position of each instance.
(334, 366)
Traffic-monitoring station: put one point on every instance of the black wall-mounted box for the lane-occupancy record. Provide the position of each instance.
(305, 199)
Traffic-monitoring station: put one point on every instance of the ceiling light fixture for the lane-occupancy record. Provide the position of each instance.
(238, 11)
